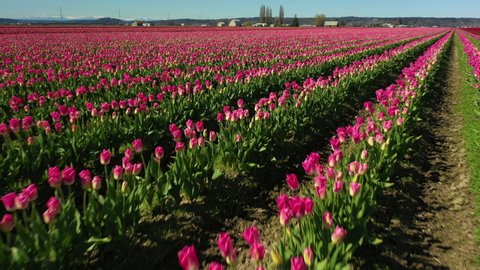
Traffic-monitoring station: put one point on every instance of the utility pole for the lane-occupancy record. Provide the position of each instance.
(61, 15)
(119, 15)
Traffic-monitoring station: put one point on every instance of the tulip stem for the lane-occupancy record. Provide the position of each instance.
(84, 203)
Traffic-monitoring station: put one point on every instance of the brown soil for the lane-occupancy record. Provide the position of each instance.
(427, 221)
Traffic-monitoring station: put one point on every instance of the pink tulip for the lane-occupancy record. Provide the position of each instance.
(179, 146)
(8, 201)
(137, 168)
(21, 201)
(285, 216)
(193, 143)
(297, 263)
(32, 192)
(49, 216)
(54, 205)
(354, 188)
(251, 235)
(7, 224)
(54, 177)
(212, 136)
(338, 235)
(322, 191)
(117, 172)
(215, 266)
(96, 183)
(327, 220)
(338, 186)
(137, 145)
(105, 157)
(201, 141)
(4, 130)
(225, 245)
(283, 201)
(199, 126)
(14, 125)
(68, 175)
(159, 153)
(86, 179)
(292, 181)
(128, 154)
(27, 122)
(177, 135)
(257, 251)
(238, 137)
(187, 257)
(364, 154)
(308, 256)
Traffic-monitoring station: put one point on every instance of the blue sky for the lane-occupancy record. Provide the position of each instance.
(161, 9)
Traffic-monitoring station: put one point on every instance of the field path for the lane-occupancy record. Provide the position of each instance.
(434, 224)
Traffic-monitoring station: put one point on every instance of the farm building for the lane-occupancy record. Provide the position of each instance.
(221, 24)
(235, 23)
(137, 23)
(331, 23)
(260, 25)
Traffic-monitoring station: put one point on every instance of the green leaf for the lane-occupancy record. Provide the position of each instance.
(376, 241)
(216, 174)
(388, 184)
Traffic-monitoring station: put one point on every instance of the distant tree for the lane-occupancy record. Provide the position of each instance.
(319, 20)
(268, 16)
(281, 15)
(295, 22)
(263, 14)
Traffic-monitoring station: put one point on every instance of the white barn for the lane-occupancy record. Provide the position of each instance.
(235, 23)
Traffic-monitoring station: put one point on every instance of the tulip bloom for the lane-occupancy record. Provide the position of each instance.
(105, 157)
(117, 172)
(54, 205)
(68, 176)
(159, 153)
(327, 220)
(308, 256)
(225, 245)
(137, 145)
(257, 251)
(251, 235)
(212, 136)
(187, 257)
(7, 224)
(297, 263)
(179, 146)
(292, 181)
(285, 216)
(338, 235)
(96, 183)
(8, 201)
(54, 177)
(215, 266)
(354, 188)
(21, 201)
(31, 191)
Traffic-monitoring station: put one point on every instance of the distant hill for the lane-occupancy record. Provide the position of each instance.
(343, 21)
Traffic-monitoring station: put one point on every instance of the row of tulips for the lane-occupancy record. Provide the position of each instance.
(243, 139)
(40, 144)
(325, 219)
(473, 57)
(220, 68)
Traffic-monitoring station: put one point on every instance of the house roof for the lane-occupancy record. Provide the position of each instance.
(331, 23)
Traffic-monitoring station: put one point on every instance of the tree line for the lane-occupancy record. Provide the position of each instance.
(267, 17)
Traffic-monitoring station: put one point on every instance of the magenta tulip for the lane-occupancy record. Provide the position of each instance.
(251, 235)
(137, 145)
(54, 177)
(68, 176)
(338, 235)
(308, 256)
(225, 245)
(292, 181)
(216, 266)
(327, 220)
(96, 183)
(354, 188)
(7, 224)
(8, 201)
(297, 263)
(257, 251)
(187, 257)
(117, 172)
(105, 157)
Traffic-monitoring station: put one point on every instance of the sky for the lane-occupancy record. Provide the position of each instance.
(216, 9)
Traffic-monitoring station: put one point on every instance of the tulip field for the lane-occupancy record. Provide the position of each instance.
(103, 126)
